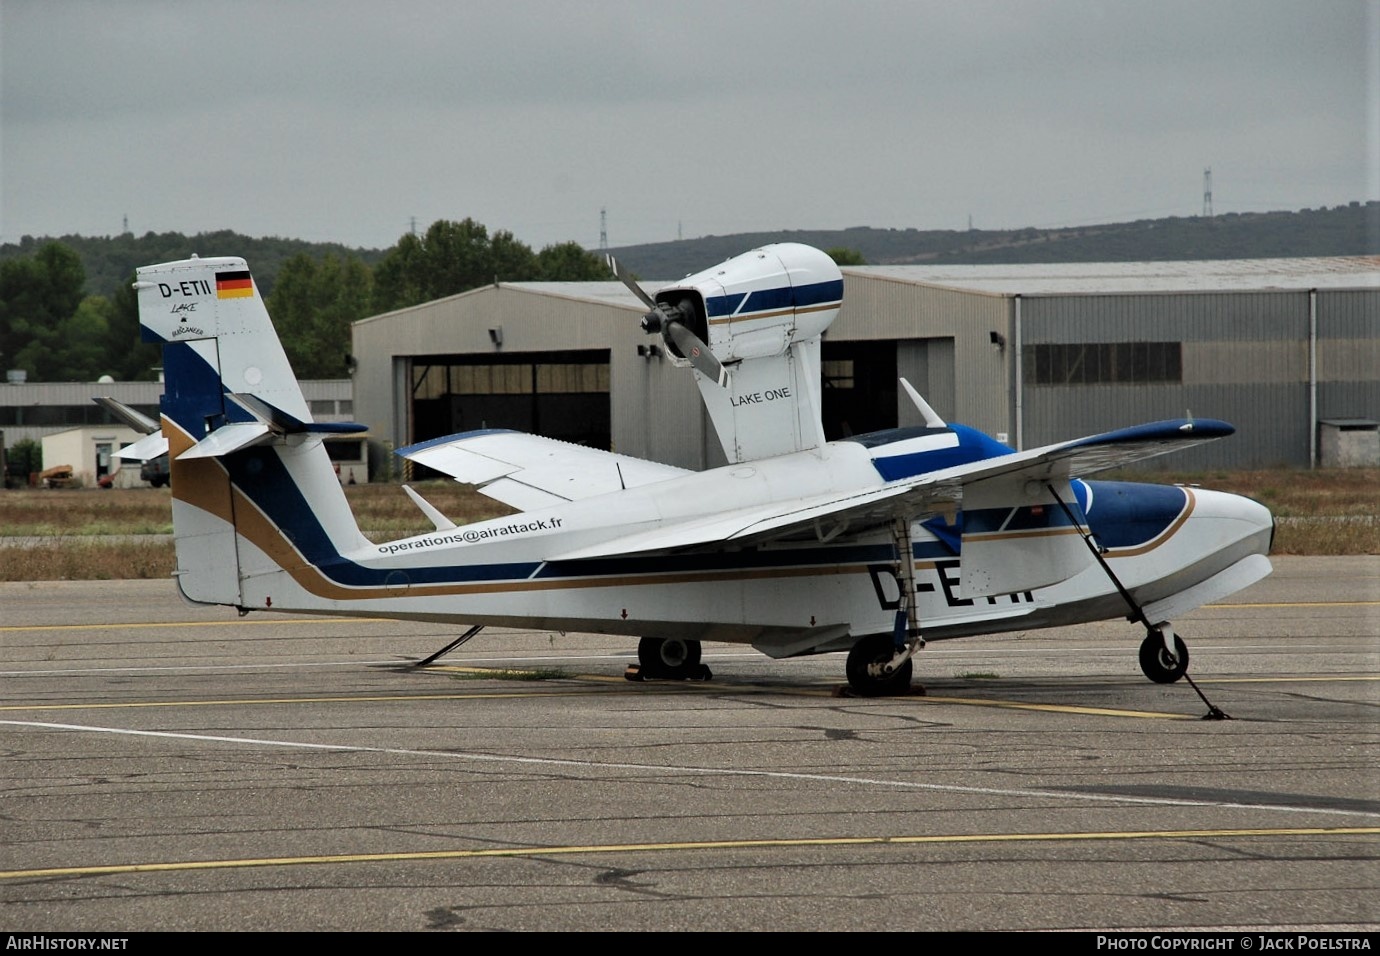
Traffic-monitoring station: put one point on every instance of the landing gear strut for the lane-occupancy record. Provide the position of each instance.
(670, 658)
(880, 665)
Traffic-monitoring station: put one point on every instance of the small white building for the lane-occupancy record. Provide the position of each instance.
(350, 454)
(90, 450)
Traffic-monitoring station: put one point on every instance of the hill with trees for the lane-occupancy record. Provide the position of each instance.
(110, 261)
(1349, 230)
(67, 312)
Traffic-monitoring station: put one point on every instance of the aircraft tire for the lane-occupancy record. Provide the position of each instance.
(1155, 662)
(873, 649)
(671, 658)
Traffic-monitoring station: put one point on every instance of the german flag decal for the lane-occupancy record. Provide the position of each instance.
(233, 285)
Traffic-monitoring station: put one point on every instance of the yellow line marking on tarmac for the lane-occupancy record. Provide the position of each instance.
(1218, 607)
(229, 702)
(534, 851)
(1057, 708)
(1288, 680)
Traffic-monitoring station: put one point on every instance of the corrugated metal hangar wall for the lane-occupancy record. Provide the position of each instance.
(1032, 354)
(1270, 363)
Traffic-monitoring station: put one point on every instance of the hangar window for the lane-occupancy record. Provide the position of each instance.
(68, 415)
(1103, 363)
(434, 381)
(837, 374)
(562, 395)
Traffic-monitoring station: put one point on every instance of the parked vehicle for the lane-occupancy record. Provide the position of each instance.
(155, 471)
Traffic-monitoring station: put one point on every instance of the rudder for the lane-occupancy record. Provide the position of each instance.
(231, 406)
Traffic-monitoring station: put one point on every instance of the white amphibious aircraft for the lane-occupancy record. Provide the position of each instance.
(872, 545)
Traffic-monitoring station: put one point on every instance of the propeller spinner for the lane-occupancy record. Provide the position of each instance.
(669, 321)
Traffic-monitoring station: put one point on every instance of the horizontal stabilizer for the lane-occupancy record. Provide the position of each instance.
(228, 438)
(136, 420)
(152, 445)
(284, 424)
(145, 449)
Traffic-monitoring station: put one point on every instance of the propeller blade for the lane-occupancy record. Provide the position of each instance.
(626, 278)
(661, 318)
(689, 345)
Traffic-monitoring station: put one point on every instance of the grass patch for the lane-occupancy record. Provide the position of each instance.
(1333, 511)
(384, 511)
(1292, 492)
(80, 511)
(93, 560)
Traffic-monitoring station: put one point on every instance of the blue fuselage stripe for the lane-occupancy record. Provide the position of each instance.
(775, 300)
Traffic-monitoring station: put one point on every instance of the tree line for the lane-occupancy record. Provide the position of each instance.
(55, 330)
(1346, 230)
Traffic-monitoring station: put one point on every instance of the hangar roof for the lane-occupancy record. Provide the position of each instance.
(1074, 278)
(1035, 279)
(605, 293)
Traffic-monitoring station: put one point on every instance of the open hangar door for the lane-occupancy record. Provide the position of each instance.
(563, 395)
(858, 387)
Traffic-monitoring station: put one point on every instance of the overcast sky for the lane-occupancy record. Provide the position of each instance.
(347, 121)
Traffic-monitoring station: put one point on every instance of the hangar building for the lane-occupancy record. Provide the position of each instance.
(1032, 354)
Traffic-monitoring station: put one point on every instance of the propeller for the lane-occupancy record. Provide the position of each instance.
(669, 320)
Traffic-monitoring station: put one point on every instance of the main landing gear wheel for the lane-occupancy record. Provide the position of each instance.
(671, 658)
(864, 668)
(1156, 662)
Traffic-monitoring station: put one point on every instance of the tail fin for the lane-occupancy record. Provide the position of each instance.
(254, 492)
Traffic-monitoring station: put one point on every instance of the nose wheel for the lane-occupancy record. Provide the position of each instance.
(1157, 662)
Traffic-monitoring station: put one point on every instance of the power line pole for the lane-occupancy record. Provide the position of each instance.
(1207, 192)
(603, 229)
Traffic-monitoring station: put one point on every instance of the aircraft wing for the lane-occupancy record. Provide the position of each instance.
(528, 472)
(1006, 478)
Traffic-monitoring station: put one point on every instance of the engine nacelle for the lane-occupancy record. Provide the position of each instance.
(759, 303)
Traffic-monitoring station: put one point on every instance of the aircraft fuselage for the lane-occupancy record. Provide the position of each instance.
(785, 597)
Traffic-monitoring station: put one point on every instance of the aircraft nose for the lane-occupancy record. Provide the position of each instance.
(1239, 517)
